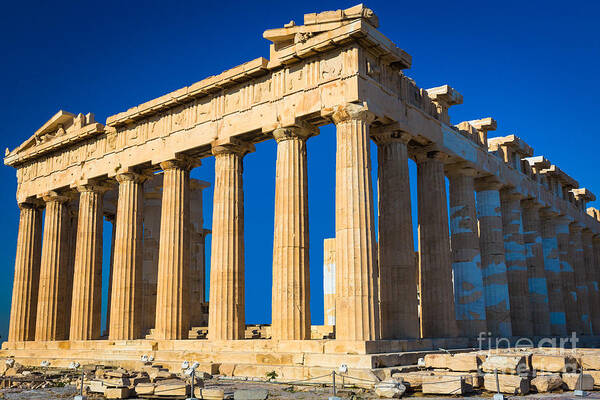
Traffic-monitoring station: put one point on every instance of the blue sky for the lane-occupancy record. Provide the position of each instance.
(531, 65)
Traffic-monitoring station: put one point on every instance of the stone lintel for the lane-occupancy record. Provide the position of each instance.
(445, 96)
(583, 194)
(561, 176)
(484, 124)
(594, 213)
(538, 163)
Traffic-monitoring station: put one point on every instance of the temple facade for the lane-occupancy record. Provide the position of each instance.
(516, 254)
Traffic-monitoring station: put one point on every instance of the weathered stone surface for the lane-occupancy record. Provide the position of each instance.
(444, 384)
(209, 394)
(505, 364)
(144, 389)
(510, 384)
(546, 383)
(590, 361)
(412, 379)
(117, 393)
(171, 387)
(463, 362)
(251, 394)
(576, 381)
(542, 362)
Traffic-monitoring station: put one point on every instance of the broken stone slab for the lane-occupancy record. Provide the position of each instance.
(578, 381)
(171, 387)
(414, 380)
(95, 386)
(117, 393)
(116, 382)
(390, 389)
(546, 383)
(473, 379)
(142, 389)
(590, 361)
(444, 384)
(250, 394)
(553, 363)
(159, 375)
(462, 362)
(209, 394)
(509, 384)
(508, 364)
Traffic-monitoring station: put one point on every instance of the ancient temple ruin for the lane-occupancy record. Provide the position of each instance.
(516, 254)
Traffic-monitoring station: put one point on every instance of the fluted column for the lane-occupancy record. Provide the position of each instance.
(469, 300)
(397, 269)
(173, 290)
(516, 265)
(590, 278)
(125, 311)
(153, 195)
(197, 250)
(50, 315)
(291, 276)
(556, 302)
(435, 260)
(357, 299)
(27, 275)
(491, 242)
(536, 276)
(86, 311)
(567, 275)
(112, 219)
(576, 254)
(226, 316)
(329, 282)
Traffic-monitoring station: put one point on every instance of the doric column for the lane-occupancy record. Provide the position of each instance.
(516, 266)
(110, 218)
(173, 290)
(226, 316)
(536, 276)
(291, 276)
(491, 242)
(125, 312)
(435, 261)
(50, 315)
(567, 275)
(581, 284)
(357, 299)
(197, 250)
(469, 300)
(556, 303)
(397, 269)
(27, 275)
(86, 311)
(590, 278)
(153, 195)
(329, 281)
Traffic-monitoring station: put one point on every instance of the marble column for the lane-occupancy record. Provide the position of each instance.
(86, 312)
(397, 268)
(516, 263)
(556, 303)
(153, 196)
(291, 276)
(173, 290)
(329, 282)
(226, 316)
(126, 303)
(435, 260)
(50, 323)
(536, 276)
(357, 299)
(27, 275)
(581, 288)
(112, 219)
(590, 277)
(491, 242)
(567, 275)
(469, 300)
(198, 315)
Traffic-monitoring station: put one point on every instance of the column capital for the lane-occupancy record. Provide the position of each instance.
(180, 162)
(427, 154)
(131, 177)
(460, 168)
(383, 136)
(576, 226)
(51, 197)
(547, 213)
(596, 238)
(28, 206)
(531, 203)
(351, 112)
(487, 183)
(510, 193)
(300, 131)
(93, 187)
(231, 146)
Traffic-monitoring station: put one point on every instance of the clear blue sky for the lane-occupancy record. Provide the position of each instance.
(531, 65)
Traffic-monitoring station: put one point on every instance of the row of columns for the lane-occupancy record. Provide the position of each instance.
(502, 264)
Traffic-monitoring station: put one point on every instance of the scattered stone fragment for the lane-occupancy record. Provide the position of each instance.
(144, 389)
(553, 363)
(578, 381)
(546, 383)
(117, 393)
(444, 384)
(171, 387)
(209, 394)
(510, 384)
(508, 364)
(389, 388)
(414, 380)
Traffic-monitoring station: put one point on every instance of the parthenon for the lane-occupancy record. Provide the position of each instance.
(516, 253)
